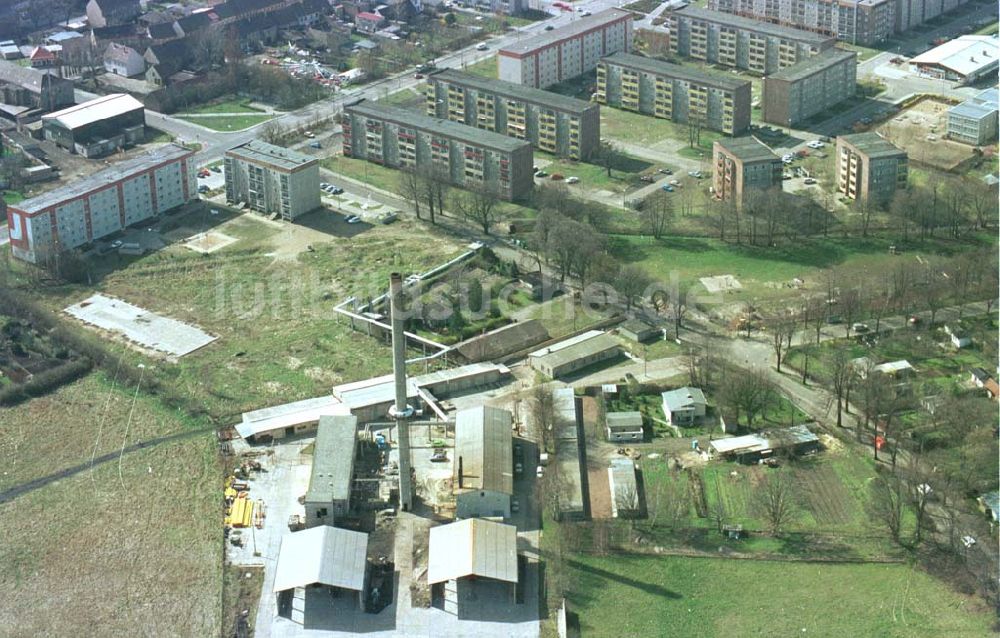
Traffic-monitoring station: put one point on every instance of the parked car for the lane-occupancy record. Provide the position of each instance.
(556, 177)
(439, 456)
(323, 185)
(116, 243)
(481, 46)
(309, 134)
(667, 187)
(539, 471)
(696, 174)
(810, 181)
(418, 76)
(541, 174)
(353, 219)
(216, 169)
(315, 145)
(647, 178)
(203, 188)
(572, 180)
(666, 171)
(549, 27)
(335, 190)
(814, 144)
(860, 327)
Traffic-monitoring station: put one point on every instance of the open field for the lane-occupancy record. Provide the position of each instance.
(411, 99)
(134, 541)
(486, 68)
(635, 128)
(706, 597)
(225, 106)
(269, 300)
(226, 122)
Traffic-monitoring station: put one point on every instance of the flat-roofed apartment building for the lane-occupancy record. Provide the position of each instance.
(795, 94)
(674, 92)
(864, 22)
(869, 167)
(271, 179)
(81, 211)
(743, 165)
(974, 121)
(566, 52)
(551, 122)
(731, 40)
(468, 156)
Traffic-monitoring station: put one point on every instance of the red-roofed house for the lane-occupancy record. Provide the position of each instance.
(368, 22)
(42, 57)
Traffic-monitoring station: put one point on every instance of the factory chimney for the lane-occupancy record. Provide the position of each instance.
(401, 412)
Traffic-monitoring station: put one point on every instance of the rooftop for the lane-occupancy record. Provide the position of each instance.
(564, 410)
(576, 27)
(624, 492)
(982, 105)
(26, 77)
(668, 69)
(747, 149)
(795, 435)
(683, 397)
(95, 110)
(333, 459)
(284, 159)
(454, 130)
(326, 555)
(288, 415)
(566, 352)
(100, 179)
(813, 65)
(891, 367)
(624, 420)
(482, 441)
(517, 91)
(965, 55)
(778, 31)
(872, 144)
(473, 547)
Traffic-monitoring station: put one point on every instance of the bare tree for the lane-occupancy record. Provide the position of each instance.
(657, 213)
(888, 503)
(777, 500)
(411, 187)
(543, 413)
(608, 155)
(209, 48)
(478, 205)
(748, 393)
(782, 328)
(920, 495)
(841, 378)
(717, 511)
(631, 282)
(982, 201)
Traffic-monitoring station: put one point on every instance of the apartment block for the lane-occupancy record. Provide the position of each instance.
(467, 156)
(864, 22)
(551, 122)
(743, 165)
(674, 92)
(566, 52)
(974, 121)
(730, 40)
(271, 179)
(87, 209)
(799, 92)
(869, 168)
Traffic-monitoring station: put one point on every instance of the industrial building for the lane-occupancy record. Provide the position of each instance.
(104, 203)
(625, 502)
(566, 52)
(674, 92)
(320, 560)
(684, 406)
(473, 549)
(754, 447)
(466, 156)
(869, 167)
(742, 166)
(797, 93)
(554, 123)
(328, 498)
(624, 427)
(99, 126)
(974, 121)
(570, 455)
(25, 94)
(571, 355)
(964, 59)
(271, 179)
(484, 464)
(864, 22)
(734, 41)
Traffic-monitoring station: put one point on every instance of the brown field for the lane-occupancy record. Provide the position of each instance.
(911, 128)
(129, 547)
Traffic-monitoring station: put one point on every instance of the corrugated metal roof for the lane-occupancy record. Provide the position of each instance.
(325, 555)
(683, 398)
(965, 55)
(333, 459)
(289, 415)
(585, 345)
(473, 547)
(624, 419)
(482, 441)
(95, 110)
(794, 435)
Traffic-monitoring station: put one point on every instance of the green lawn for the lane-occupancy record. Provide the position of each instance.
(414, 100)
(486, 68)
(624, 174)
(12, 197)
(989, 29)
(227, 123)
(703, 598)
(635, 128)
(226, 106)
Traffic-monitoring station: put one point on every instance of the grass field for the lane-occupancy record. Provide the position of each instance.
(486, 68)
(12, 197)
(227, 122)
(635, 128)
(412, 99)
(226, 106)
(706, 597)
(121, 546)
(624, 174)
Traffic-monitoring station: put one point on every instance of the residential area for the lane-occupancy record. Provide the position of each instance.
(527, 318)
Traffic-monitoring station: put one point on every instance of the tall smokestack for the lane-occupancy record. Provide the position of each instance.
(400, 411)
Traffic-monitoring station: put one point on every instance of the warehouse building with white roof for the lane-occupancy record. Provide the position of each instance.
(99, 126)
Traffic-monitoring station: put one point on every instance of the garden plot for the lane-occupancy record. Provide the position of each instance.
(721, 283)
(141, 327)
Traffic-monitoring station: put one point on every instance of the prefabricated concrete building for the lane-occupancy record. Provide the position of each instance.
(329, 496)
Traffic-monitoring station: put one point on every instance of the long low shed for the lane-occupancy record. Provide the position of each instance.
(574, 354)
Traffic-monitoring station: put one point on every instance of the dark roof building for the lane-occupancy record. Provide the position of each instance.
(103, 13)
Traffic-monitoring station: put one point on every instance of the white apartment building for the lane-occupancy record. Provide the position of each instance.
(106, 202)
(568, 51)
(271, 179)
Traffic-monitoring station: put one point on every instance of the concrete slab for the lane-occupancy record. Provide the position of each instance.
(721, 283)
(141, 327)
(209, 242)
